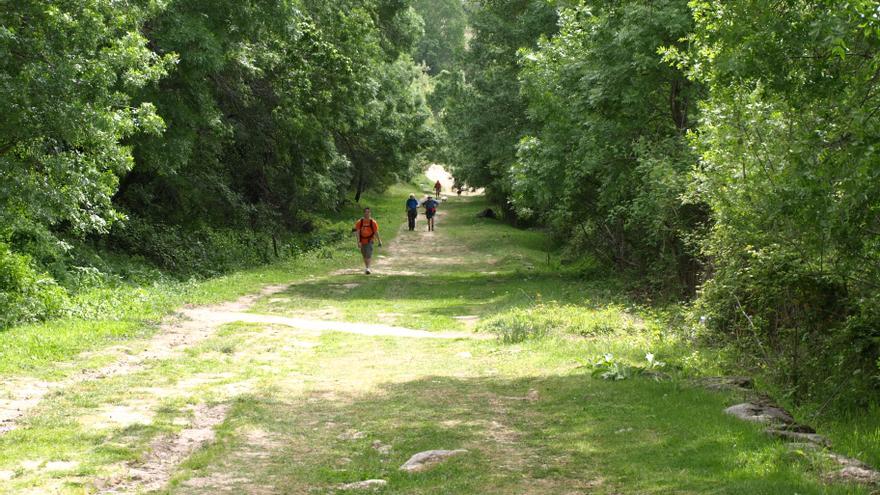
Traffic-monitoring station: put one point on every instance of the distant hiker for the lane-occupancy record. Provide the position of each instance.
(367, 229)
(438, 187)
(412, 211)
(457, 186)
(430, 210)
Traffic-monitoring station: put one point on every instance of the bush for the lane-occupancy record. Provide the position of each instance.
(796, 323)
(25, 294)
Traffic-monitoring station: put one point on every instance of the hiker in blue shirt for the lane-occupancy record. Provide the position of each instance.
(412, 211)
(430, 210)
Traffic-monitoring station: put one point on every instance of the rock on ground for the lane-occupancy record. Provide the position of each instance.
(797, 436)
(760, 413)
(364, 485)
(428, 458)
(853, 471)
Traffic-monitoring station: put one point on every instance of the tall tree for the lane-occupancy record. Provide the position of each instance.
(609, 161)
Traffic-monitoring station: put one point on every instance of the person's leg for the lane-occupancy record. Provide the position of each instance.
(367, 251)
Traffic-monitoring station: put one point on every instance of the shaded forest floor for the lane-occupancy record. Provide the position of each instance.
(327, 376)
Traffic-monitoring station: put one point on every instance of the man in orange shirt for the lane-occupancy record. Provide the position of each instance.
(367, 229)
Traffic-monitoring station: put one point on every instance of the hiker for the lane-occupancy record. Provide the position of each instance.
(367, 229)
(412, 211)
(430, 210)
(438, 187)
(457, 186)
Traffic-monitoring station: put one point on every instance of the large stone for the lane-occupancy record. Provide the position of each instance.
(853, 471)
(363, 485)
(760, 413)
(429, 458)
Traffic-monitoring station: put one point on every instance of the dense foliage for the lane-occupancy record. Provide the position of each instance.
(609, 160)
(720, 149)
(482, 108)
(199, 135)
(789, 166)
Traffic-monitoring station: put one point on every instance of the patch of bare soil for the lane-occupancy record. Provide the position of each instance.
(183, 330)
(167, 452)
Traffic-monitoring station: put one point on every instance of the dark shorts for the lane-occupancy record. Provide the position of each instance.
(430, 214)
(367, 249)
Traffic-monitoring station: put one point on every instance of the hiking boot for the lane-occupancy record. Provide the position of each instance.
(366, 271)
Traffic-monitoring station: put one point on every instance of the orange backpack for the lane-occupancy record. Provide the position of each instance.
(367, 232)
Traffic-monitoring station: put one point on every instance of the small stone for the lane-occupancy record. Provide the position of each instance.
(382, 448)
(797, 436)
(424, 460)
(7, 475)
(623, 430)
(464, 355)
(533, 395)
(855, 474)
(351, 435)
(364, 485)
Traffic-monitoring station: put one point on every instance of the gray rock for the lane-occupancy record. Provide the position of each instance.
(382, 448)
(363, 485)
(797, 436)
(856, 472)
(428, 458)
(760, 413)
(351, 434)
(853, 471)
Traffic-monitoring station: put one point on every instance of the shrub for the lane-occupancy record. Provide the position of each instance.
(25, 294)
(522, 324)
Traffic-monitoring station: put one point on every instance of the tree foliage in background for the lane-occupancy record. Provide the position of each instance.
(445, 24)
(483, 111)
(67, 74)
(193, 132)
(609, 161)
(789, 166)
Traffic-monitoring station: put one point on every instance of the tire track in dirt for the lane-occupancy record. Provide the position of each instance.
(166, 453)
(188, 327)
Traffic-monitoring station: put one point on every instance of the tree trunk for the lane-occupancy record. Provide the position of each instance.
(360, 187)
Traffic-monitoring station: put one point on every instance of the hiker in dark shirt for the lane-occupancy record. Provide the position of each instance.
(430, 210)
(412, 211)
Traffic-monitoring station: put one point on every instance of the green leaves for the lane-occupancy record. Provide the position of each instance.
(65, 68)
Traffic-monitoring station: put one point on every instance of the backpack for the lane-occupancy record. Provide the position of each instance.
(370, 229)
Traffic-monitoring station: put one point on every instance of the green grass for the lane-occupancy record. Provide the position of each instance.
(526, 408)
